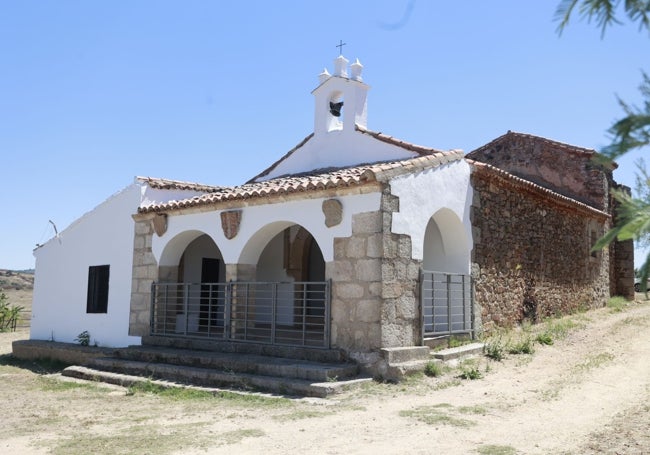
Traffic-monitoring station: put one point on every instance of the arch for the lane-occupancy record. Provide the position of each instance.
(446, 247)
(174, 249)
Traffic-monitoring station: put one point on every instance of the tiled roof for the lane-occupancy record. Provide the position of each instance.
(494, 172)
(560, 146)
(165, 184)
(268, 170)
(419, 149)
(314, 181)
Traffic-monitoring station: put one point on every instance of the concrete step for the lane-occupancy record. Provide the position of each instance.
(405, 354)
(133, 372)
(313, 354)
(232, 363)
(467, 350)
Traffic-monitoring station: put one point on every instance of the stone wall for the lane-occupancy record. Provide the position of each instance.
(622, 259)
(531, 256)
(356, 273)
(568, 170)
(400, 273)
(374, 288)
(145, 272)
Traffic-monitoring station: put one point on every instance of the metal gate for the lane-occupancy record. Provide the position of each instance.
(446, 304)
(292, 314)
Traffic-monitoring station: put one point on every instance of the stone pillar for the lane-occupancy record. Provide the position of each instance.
(400, 273)
(622, 269)
(145, 272)
(356, 290)
(241, 272)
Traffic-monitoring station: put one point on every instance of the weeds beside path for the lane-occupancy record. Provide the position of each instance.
(584, 393)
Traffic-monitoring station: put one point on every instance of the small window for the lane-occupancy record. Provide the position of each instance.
(98, 289)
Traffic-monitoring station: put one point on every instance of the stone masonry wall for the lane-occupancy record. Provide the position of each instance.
(531, 256)
(374, 288)
(565, 169)
(145, 272)
(400, 317)
(356, 304)
(621, 259)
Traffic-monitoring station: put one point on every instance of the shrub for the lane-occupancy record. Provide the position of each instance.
(9, 314)
(433, 369)
(524, 346)
(544, 338)
(470, 372)
(83, 338)
(494, 349)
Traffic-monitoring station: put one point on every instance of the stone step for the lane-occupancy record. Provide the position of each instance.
(133, 372)
(405, 354)
(466, 350)
(233, 363)
(313, 354)
(398, 371)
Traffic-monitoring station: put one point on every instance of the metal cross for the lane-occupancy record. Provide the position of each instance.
(340, 46)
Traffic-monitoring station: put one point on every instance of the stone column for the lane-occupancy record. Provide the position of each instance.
(145, 272)
(356, 290)
(400, 273)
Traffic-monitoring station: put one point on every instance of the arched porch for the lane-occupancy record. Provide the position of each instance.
(276, 293)
(446, 288)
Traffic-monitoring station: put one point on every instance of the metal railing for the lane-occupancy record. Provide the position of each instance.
(446, 302)
(293, 314)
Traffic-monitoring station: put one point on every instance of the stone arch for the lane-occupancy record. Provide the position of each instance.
(446, 247)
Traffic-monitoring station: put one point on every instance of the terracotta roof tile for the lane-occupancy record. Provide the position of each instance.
(494, 172)
(560, 146)
(314, 181)
(166, 184)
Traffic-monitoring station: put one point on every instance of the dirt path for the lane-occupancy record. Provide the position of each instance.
(587, 393)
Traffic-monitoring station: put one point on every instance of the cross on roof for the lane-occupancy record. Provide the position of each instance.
(340, 46)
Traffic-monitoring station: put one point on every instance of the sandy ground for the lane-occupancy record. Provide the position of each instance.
(588, 393)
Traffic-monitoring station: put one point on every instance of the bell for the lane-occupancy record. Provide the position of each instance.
(335, 108)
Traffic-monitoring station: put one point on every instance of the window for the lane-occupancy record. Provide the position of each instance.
(97, 289)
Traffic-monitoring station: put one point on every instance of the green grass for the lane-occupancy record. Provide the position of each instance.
(544, 338)
(592, 362)
(189, 394)
(437, 415)
(302, 414)
(49, 384)
(617, 304)
(524, 346)
(470, 372)
(494, 349)
(156, 439)
(434, 369)
(491, 449)
(38, 366)
(558, 329)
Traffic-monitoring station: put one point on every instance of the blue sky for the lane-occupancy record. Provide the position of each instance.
(93, 93)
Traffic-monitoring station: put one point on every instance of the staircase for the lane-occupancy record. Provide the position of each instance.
(311, 372)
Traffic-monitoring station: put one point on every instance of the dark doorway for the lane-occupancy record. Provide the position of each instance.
(209, 293)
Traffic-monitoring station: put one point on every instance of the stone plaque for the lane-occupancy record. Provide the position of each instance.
(230, 223)
(160, 224)
(333, 210)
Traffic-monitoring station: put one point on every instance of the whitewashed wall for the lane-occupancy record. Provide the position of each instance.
(259, 224)
(444, 193)
(100, 237)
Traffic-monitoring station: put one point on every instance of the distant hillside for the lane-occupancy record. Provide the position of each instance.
(17, 280)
